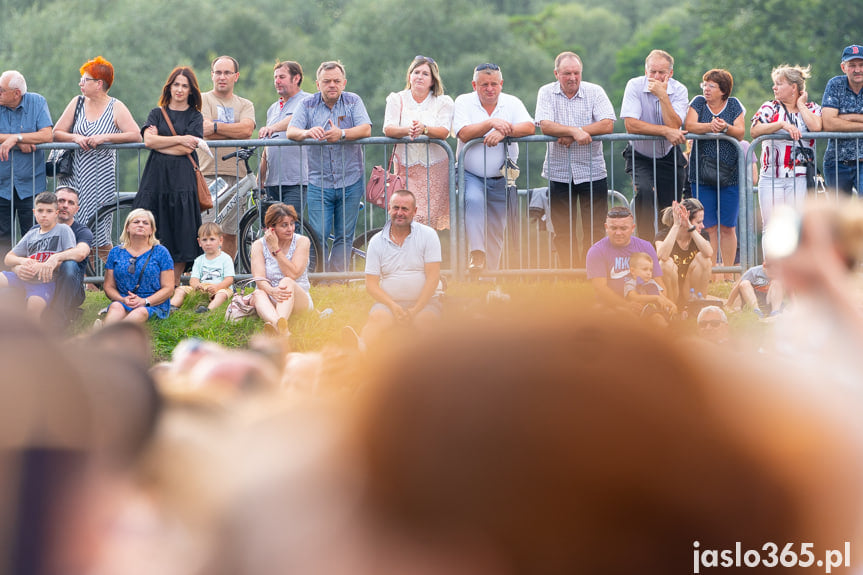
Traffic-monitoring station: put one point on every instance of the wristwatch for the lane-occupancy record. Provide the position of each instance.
(425, 131)
(344, 135)
(215, 127)
(724, 130)
(20, 138)
(691, 229)
(147, 301)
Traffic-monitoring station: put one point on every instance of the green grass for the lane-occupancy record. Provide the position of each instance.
(350, 304)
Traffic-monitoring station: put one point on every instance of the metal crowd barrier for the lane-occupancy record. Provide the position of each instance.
(530, 250)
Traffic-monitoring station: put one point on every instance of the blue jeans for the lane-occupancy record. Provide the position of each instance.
(335, 211)
(842, 176)
(291, 195)
(68, 290)
(485, 213)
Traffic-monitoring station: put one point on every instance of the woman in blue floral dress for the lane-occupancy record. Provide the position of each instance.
(139, 274)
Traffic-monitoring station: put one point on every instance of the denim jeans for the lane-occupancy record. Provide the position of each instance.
(335, 211)
(485, 215)
(68, 290)
(843, 177)
(291, 195)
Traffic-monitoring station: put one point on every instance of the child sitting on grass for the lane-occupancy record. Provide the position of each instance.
(647, 294)
(27, 259)
(212, 272)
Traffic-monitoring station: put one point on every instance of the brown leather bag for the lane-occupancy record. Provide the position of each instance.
(204, 197)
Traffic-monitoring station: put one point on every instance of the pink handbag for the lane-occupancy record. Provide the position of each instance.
(383, 183)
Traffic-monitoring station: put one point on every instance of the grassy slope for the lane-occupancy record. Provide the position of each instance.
(350, 304)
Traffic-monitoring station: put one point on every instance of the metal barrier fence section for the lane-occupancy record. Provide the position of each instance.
(529, 243)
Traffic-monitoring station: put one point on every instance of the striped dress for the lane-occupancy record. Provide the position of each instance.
(94, 172)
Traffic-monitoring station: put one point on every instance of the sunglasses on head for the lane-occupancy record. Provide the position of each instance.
(426, 58)
(486, 66)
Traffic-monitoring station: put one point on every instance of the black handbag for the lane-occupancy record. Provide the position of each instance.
(804, 156)
(59, 162)
(710, 171)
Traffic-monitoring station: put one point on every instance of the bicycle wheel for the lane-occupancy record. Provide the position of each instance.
(115, 213)
(359, 249)
(316, 258)
(251, 228)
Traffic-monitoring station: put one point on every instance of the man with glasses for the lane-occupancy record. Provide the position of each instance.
(284, 173)
(493, 116)
(842, 111)
(336, 172)
(24, 122)
(226, 117)
(608, 259)
(574, 111)
(655, 105)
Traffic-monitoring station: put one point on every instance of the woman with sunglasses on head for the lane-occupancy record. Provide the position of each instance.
(168, 186)
(139, 274)
(100, 119)
(716, 113)
(422, 109)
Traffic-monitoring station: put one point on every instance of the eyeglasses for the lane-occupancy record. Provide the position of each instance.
(419, 57)
(487, 66)
(706, 85)
(223, 73)
(85, 79)
(132, 261)
(710, 323)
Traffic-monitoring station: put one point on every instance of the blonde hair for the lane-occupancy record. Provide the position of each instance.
(124, 237)
(638, 257)
(437, 83)
(792, 74)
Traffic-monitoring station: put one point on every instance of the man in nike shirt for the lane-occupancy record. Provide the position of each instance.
(608, 259)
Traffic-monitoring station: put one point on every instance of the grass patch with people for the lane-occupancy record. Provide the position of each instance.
(350, 305)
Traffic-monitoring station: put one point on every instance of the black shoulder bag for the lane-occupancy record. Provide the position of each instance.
(59, 162)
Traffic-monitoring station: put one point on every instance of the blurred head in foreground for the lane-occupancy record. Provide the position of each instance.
(590, 445)
(70, 419)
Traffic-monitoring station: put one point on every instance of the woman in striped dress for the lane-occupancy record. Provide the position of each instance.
(101, 120)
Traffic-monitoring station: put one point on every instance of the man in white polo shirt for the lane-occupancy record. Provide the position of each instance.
(402, 272)
(488, 114)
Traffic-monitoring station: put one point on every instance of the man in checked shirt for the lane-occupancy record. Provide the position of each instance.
(574, 111)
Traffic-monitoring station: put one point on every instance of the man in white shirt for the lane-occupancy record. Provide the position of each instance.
(487, 113)
(655, 104)
(402, 273)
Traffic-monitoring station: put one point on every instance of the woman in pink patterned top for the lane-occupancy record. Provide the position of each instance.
(422, 109)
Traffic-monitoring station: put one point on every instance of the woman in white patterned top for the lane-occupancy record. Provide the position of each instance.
(282, 257)
(782, 179)
(100, 120)
(422, 109)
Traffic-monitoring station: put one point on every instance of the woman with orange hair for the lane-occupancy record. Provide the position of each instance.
(100, 119)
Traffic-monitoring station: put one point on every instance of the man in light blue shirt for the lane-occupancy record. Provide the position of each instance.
(284, 169)
(655, 105)
(24, 122)
(335, 172)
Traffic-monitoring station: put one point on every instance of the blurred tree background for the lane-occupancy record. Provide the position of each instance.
(48, 40)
